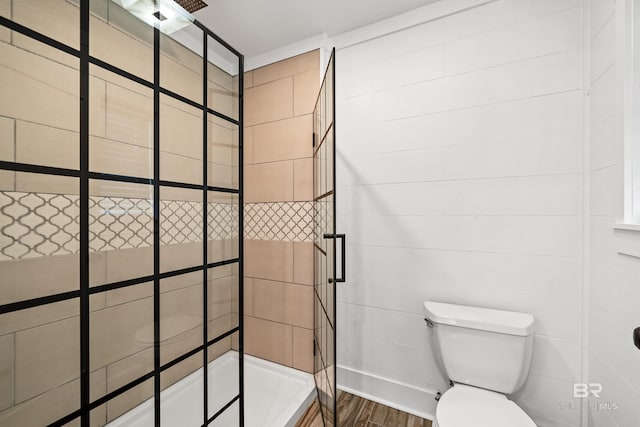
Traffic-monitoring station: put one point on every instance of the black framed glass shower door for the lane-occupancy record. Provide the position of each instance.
(120, 213)
(325, 264)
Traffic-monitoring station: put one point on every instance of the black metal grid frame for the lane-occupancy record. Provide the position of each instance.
(85, 175)
(318, 141)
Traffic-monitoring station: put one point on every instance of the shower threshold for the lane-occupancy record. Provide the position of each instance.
(275, 396)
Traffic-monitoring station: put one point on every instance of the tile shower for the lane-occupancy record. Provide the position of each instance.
(120, 182)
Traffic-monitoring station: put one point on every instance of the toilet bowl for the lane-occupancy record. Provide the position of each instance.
(486, 354)
(466, 406)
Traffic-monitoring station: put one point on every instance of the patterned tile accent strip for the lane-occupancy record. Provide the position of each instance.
(288, 221)
(38, 224)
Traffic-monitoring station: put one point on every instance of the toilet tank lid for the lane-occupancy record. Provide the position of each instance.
(484, 319)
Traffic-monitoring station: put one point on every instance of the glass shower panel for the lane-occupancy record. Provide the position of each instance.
(222, 386)
(222, 305)
(39, 109)
(110, 26)
(181, 399)
(222, 79)
(180, 315)
(180, 141)
(325, 273)
(39, 223)
(223, 210)
(181, 228)
(139, 397)
(102, 220)
(40, 350)
(181, 63)
(121, 126)
(121, 339)
(120, 231)
(223, 153)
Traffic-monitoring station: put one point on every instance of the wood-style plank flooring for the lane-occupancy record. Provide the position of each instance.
(354, 411)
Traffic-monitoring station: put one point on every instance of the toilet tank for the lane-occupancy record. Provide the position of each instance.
(482, 347)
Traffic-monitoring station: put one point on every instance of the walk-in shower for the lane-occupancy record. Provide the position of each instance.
(120, 215)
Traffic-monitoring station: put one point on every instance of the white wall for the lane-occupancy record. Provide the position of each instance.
(614, 279)
(460, 145)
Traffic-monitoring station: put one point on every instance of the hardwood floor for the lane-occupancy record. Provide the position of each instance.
(354, 411)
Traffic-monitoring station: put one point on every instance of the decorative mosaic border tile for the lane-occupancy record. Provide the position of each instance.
(286, 221)
(39, 224)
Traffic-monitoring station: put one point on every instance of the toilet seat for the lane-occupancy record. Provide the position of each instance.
(466, 406)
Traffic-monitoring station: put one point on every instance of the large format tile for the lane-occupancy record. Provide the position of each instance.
(283, 302)
(269, 182)
(288, 67)
(305, 92)
(283, 140)
(269, 340)
(269, 102)
(271, 260)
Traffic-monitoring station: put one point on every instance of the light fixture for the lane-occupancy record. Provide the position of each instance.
(167, 15)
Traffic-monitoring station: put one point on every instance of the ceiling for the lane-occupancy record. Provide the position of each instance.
(255, 27)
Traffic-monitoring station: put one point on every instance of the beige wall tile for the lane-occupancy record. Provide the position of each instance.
(36, 277)
(45, 145)
(288, 67)
(131, 293)
(123, 264)
(180, 322)
(269, 182)
(181, 370)
(119, 158)
(180, 128)
(119, 331)
(269, 102)
(7, 149)
(178, 168)
(180, 69)
(175, 257)
(7, 354)
(58, 19)
(219, 296)
(248, 79)
(44, 409)
(218, 349)
(97, 106)
(5, 10)
(303, 179)
(303, 349)
(283, 139)
(303, 263)
(7, 181)
(271, 260)
(221, 325)
(46, 357)
(269, 340)
(129, 113)
(181, 281)
(128, 369)
(137, 58)
(248, 296)
(7, 139)
(32, 317)
(283, 303)
(248, 145)
(305, 92)
(40, 183)
(38, 90)
(128, 400)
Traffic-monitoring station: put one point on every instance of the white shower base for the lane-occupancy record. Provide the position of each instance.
(275, 396)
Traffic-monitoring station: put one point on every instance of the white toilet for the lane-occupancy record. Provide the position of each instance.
(486, 354)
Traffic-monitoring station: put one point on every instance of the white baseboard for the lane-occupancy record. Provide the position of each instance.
(404, 397)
